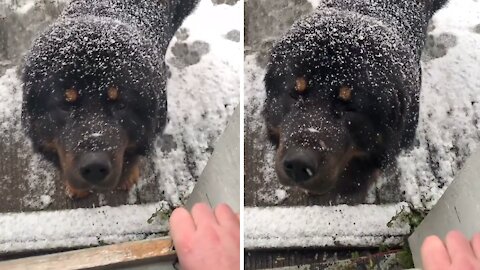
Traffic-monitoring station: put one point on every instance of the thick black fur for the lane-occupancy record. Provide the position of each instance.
(96, 44)
(370, 46)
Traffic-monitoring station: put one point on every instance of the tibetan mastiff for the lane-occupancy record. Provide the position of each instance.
(342, 92)
(94, 89)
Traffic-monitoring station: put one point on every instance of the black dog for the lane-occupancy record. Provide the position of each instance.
(343, 91)
(94, 88)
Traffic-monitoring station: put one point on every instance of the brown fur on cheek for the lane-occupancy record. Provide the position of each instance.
(49, 147)
(274, 134)
(130, 174)
(343, 162)
(66, 161)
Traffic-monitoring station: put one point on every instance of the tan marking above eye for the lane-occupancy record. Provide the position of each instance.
(112, 93)
(345, 93)
(71, 95)
(301, 84)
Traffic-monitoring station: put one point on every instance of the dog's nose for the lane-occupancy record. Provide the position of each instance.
(95, 167)
(300, 165)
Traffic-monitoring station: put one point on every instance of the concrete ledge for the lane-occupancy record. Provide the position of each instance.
(48, 230)
(319, 226)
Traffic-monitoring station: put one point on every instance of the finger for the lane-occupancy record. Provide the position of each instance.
(181, 225)
(226, 217)
(458, 245)
(203, 214)
(476, 245)
(434, 254)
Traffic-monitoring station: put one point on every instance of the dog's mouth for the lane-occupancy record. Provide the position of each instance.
(315, 172)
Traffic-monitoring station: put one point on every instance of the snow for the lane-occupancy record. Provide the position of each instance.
(314, 3)
(448, 130)
(279, 227)
(25, 8)
(45, 230)
(447, 134)
(200, 99)
(210, 88)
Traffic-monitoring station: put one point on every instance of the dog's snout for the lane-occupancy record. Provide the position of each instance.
(300, 166)
(95, 167)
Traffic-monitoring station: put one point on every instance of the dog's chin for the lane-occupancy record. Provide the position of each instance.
(317, 191)
(82, 186)
(315, 186)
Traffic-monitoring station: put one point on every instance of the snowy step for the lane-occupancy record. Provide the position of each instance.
(324, 226)
(48, 230)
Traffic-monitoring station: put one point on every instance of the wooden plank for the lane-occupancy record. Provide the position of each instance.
(457, 209)
(131, 253)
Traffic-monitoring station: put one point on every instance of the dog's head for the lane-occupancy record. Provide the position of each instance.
(336, 93)
(93, 97)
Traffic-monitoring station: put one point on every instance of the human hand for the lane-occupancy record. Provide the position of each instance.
(456, 254)
(206, 239)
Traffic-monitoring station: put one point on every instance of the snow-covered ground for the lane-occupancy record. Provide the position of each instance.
(449, 128)
(448, 132)
(205, 62)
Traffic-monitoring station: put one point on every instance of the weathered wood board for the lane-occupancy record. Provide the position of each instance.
(118, 256)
